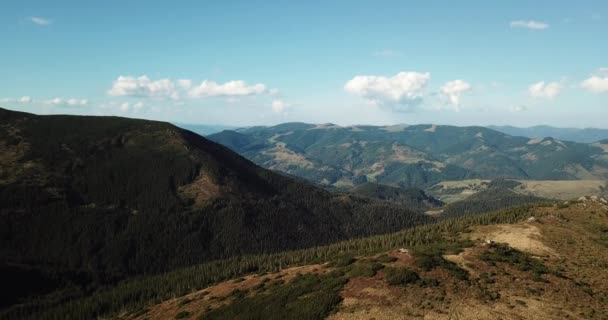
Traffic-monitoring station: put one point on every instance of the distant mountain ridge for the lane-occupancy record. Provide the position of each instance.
(586, 135)
(204, 129)
(412, 156)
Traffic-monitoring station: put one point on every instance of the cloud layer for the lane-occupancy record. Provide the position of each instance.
(167, 89)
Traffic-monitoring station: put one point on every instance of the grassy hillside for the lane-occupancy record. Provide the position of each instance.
(91, 200)
(412, 156)
(549, 267)
(137, 294)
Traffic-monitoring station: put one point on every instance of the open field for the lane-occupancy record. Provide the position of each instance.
(561, 189)
(452, 191)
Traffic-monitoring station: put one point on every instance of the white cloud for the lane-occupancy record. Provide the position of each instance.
(544, 90)
(72, 102)
(40, 21)
(124, 107)
(165, 88)
(184, 83)
(279, 106)
(77, 102)
(530, 24)
(143, 87)
(25, 99)
(596, 84)
(405, 88)
(520, 108)
(138, 105)
(453, 90)
(386, 53)
(229, 89)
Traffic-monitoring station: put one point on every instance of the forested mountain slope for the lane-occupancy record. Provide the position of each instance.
(108, 197)
(412, 156)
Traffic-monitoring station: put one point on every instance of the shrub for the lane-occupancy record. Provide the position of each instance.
(401, 276)
(183, 315)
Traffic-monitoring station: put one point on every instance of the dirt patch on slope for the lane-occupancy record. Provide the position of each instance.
(523, 237)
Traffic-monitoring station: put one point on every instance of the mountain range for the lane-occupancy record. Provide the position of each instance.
(106, 214)
(412, 156)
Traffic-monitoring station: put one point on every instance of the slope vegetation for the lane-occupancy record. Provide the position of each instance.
(548, 262)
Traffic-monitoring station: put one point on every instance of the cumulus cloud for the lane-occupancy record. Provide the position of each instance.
(279, 106)
(40, 21)
(405, 88)
(453, 90)
(143, 87)
(165, 88)
(530, 24)
(598, 82)
(229, 89)
(544, 90)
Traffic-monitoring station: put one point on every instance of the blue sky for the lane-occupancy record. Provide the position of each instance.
(347, 62)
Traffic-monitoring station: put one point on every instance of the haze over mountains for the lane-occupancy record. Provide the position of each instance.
(412, 156)
(586, 135)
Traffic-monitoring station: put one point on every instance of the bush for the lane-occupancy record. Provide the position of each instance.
(383, 258)
(401, 276)
(516, 258)
(343, 261)
(183, 315)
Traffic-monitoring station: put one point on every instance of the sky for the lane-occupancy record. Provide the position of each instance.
(243, 63)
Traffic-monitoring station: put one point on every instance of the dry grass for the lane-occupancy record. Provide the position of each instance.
(200, 302)
(560, 189)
